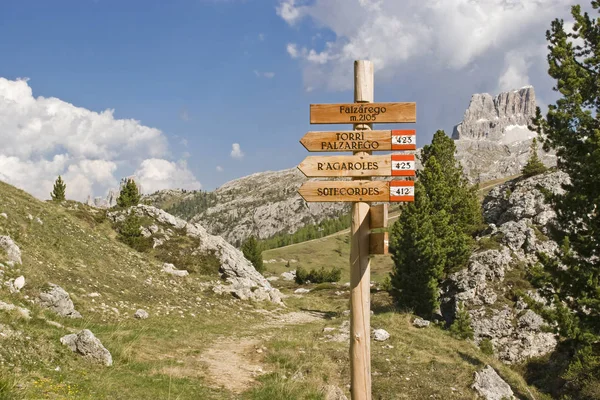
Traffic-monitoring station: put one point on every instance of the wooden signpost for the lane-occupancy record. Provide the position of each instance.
(394, 165)
(362, 113)
(360, 140)
(361, 165)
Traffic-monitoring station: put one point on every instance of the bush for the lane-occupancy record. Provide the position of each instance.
(461, 327)
(486, 347)
(317, 276)
(130, 234)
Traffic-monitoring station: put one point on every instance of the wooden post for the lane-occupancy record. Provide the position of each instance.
(360, 269)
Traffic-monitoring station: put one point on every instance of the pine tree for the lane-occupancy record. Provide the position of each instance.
(58, 192)
(458, 197)
(252, 252)
(433, 235)
(418, 255)
(130, 195)
(572, 129)
(534, 165)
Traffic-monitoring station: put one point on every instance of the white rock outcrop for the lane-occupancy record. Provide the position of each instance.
(514, 211)
(241, 278)
(491, 386)
(11, 249)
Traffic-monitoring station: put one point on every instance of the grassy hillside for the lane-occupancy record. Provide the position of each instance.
(197, 345)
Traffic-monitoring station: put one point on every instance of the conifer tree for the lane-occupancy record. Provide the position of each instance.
(130, 195)
(534, 165)
(58, 192)
(418, 254)
(458, 197)
(572, 128)
(252, 252)
(433, 235)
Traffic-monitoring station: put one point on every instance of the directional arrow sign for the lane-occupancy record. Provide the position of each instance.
(360, 140)
(363, 113)
(332, 191)
(389, 165)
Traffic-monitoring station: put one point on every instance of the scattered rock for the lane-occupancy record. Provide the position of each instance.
(273, 278)
(380, 335)
(141, 314)
(19, 283)
(491, 386)
(301, 291)
(12, 250)
(23, 312)
(332, 392)
(421, 323)
(3, 215)
(89, 346)
(289, 276)
(58, 300)
(170, 269)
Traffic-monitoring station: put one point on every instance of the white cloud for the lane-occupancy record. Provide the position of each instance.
(289, 11)
(219, 168)
(45, 137)
(155, 174)
(292, 49)
(446, 35)
(236, 151)
(261, 37)
(268, 75)
(515, 74)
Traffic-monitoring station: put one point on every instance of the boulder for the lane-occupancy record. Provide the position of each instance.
(491, 386)
(11, 249)
(289, 276)
(301, 291)
(171, 270)
(89, 346)
(380, 335)
(421, 323)
(141, 314)
(58, 300)
(19, 283)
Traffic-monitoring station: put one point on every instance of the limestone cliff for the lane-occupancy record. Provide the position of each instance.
(493, 140)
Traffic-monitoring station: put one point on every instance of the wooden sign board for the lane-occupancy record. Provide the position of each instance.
(360, 140)
(358, 166)
(350, 191)
(363, 113)
(378, 216)
(379, 243)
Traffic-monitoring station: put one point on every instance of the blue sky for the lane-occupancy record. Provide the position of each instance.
(208, 74)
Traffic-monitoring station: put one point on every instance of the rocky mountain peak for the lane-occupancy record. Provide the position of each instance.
(503, 118)
(493, 140)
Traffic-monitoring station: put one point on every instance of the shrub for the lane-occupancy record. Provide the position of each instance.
(461, 327)
(486, 347)
(130, 234)
(317, 276)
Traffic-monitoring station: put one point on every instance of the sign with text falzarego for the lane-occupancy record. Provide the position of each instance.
(363, 113)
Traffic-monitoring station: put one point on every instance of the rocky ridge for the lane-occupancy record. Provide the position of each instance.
(519, 221)
(243, 281)
(263, 204)
(493, 140)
